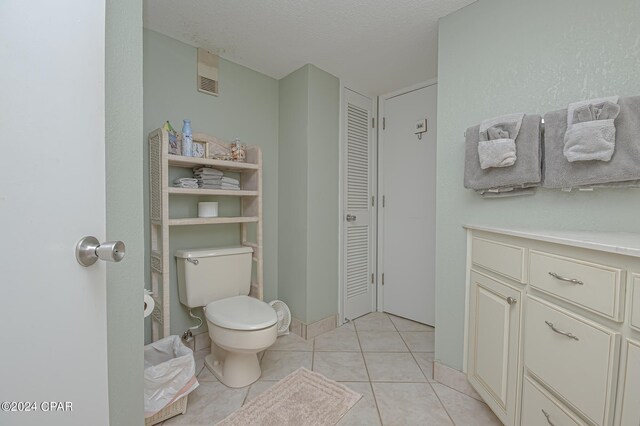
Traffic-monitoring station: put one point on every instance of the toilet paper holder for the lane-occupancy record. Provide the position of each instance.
(89, 250)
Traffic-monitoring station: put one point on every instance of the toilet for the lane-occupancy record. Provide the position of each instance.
(219, 279)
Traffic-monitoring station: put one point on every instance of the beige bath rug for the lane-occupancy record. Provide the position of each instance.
(301, 398)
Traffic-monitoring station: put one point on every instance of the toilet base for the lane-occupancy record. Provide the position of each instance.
(235, 370)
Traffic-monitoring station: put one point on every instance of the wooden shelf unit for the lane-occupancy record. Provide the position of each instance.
(211, 220)
(229, 192)
(160, 188)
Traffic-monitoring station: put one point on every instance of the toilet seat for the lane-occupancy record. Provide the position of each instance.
(241, 313)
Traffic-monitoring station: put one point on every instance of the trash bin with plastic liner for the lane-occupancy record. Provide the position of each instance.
(169, 376)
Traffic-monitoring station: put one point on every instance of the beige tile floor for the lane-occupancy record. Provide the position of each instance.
(387, 359)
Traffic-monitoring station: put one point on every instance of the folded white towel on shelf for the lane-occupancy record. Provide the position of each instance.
(219, 186)
(207, 171)
(191, 185)
(230, 180)
(185, 180)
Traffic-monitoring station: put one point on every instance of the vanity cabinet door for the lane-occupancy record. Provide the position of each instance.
(493, 364)
(631, 390)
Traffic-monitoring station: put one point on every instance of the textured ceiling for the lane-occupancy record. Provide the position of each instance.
(374, 46)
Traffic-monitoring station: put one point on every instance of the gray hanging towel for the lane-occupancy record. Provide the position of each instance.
(624, 164)
(525, 173)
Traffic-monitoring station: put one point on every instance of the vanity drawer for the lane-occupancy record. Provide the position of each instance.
(504, 259)
(589, 285)
(573, 356)
(539, 407)
(635, 303)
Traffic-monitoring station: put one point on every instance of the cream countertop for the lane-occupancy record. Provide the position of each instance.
(625, 243)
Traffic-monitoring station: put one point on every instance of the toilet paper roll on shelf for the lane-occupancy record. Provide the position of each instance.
(149, 303)
(208, 209)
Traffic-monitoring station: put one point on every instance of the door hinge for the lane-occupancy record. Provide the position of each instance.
(384, 123)
(383, 278)
(372, 278)
(373, 201)
(383, 201)
(373, 122)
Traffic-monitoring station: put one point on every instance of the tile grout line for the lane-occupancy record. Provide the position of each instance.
(425, 376)
(442, 404)
(373, 392)
(411, 352)
(313, 352)
(403, 341)
(457, 391)
(244, 401)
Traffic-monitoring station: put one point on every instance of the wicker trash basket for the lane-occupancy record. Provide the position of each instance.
(176, 407)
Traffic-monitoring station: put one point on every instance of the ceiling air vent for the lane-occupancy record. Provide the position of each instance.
(207, 72)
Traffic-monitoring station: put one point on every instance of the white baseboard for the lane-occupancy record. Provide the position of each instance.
(309, 331)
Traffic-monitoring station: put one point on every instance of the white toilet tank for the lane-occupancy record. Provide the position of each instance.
(206, 275)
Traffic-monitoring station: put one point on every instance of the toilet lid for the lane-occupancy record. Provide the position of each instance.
(241, 313)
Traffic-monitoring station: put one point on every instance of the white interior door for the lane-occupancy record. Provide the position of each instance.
(358, 217)
(408, 218)
(52, 193)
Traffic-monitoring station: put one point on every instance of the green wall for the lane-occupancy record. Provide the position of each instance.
(323, 194)
(123, 119)
(247, 108)
(308, 201)
(501, 56)
(292, 194)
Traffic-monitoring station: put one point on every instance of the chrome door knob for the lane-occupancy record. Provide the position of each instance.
(511, 300)
(351, 218)
(89, 250)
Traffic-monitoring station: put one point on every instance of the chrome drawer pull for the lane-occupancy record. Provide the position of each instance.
(564, 333)
(548, 417)
(569, 280)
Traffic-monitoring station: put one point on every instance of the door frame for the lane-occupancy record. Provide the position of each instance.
(378, 184)
(341, 206)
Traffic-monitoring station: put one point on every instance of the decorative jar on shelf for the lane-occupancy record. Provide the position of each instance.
(238, 151)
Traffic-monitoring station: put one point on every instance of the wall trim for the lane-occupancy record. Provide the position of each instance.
(310, 331)
(411, 88)
(467, 287)
(341, 143)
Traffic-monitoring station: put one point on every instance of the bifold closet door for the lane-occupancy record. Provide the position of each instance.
(407, 167)
(358, 215)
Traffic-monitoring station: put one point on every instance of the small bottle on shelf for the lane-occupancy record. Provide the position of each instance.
(187, 138)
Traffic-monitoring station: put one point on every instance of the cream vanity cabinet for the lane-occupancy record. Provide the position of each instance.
(553, 326)
(495, 316)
